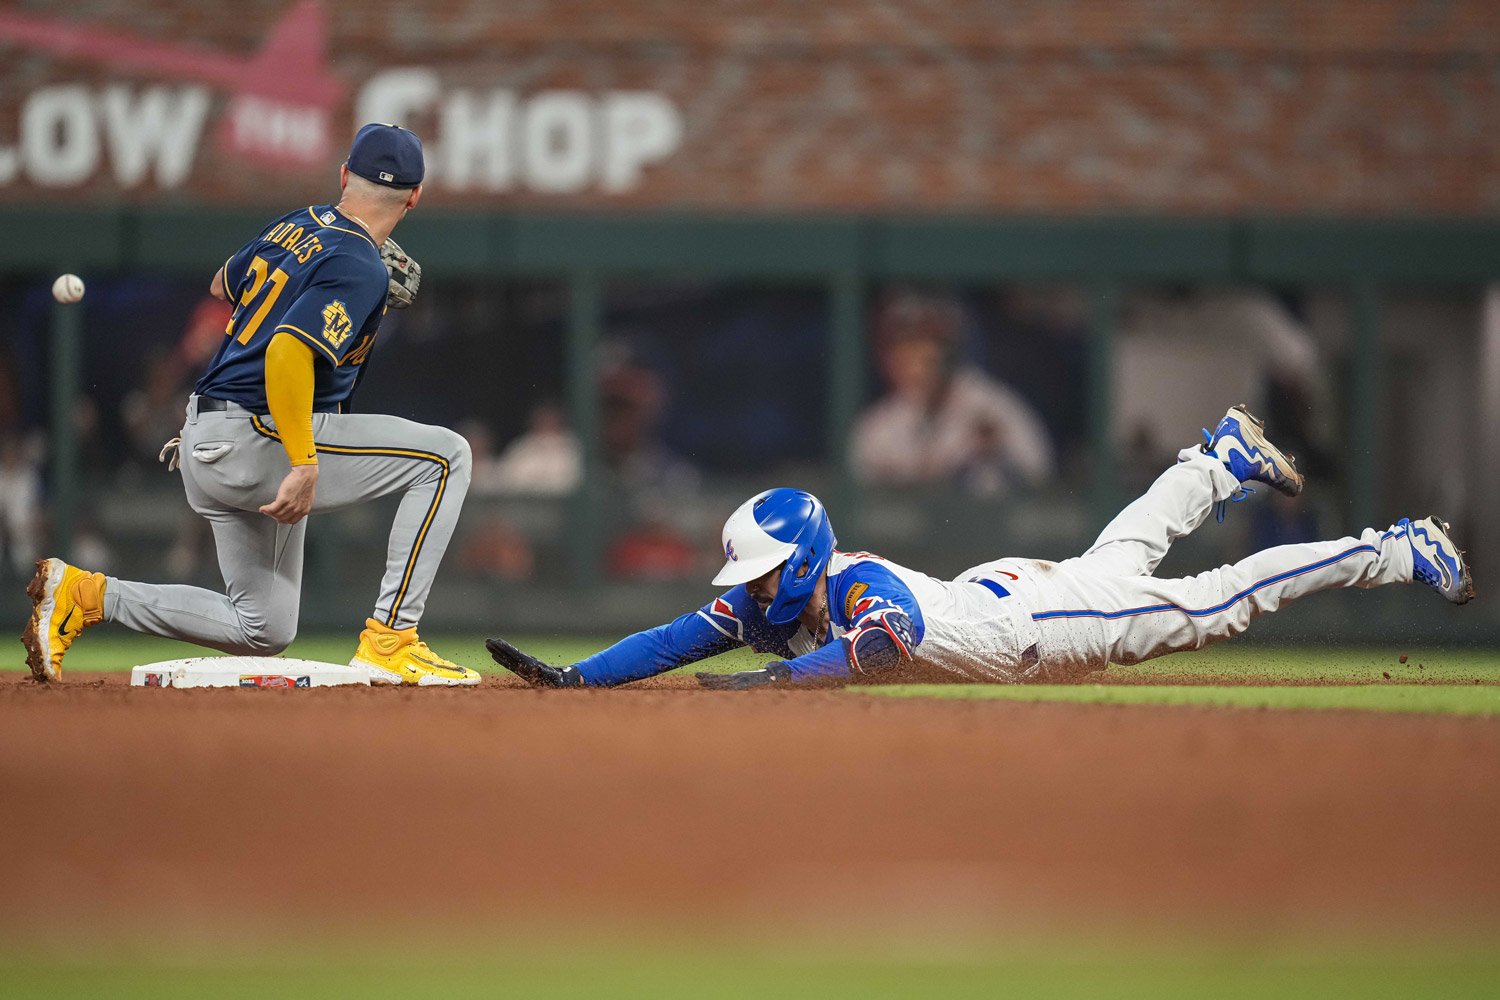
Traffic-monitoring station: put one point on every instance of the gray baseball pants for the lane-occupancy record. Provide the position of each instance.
(233, 462)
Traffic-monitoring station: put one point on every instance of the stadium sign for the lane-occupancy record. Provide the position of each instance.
(280, 112)
(557, 142)
(65, 131)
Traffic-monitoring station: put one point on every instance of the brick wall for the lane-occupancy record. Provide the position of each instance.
(1161, 106)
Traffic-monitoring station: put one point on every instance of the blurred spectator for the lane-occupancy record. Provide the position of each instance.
(985, 473)
(10, 399)
(20, 503)
(202, 334)
(943, 420)
(652, 549)
(95, 458)
(637, 466)
(89, 545)
(545, 460)
(490, 546)
(652, 486)
(153, 411)
(1185, 354)
(496, 550)
(484, 480)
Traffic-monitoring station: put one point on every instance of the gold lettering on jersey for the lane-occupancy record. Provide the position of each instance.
(293, 237)
(361, 351)
(855, 593)
(336, 323)
(310, 245)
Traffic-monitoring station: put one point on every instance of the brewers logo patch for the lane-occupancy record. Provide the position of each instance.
(336, 323)
(853, 598)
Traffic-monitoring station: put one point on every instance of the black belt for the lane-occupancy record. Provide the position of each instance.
(208, 404)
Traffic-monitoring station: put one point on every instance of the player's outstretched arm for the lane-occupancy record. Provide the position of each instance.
(688, 639)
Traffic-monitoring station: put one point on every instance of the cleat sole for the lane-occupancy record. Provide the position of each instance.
(40, 590)
(1254, 428)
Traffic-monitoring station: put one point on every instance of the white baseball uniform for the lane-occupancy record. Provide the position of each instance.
(1065, 618)
(1020, 620)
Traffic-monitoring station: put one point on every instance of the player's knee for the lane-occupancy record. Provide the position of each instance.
(270, 637)
(463, 455)
(459, 455)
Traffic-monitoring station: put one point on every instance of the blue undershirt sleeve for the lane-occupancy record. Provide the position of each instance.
(825, 663)
(707, 632)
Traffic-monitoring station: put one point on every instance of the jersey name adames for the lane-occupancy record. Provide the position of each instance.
(313, 273)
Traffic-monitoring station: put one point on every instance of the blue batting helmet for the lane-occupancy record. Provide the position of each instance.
(780, 526)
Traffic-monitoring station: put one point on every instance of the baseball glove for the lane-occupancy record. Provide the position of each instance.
(530, 669)
(406, 274)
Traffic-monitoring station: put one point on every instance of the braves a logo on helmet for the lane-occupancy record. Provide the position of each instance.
(720, 614)
(729, 551)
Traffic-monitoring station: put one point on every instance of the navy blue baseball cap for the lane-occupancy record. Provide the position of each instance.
(387, 154)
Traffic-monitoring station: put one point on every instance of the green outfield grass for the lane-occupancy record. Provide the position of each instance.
(1441, 681)
(667, 975)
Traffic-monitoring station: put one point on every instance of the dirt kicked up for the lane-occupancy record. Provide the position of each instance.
(202, 811)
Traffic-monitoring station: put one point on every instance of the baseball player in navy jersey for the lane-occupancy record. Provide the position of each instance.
(268, 440)
(834, 616)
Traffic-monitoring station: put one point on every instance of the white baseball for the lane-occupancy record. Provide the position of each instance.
(67, 288)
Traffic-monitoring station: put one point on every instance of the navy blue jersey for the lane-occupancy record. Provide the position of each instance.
(313, 273)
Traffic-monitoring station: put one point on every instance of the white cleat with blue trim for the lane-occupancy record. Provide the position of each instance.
(1436, 561)
(1240, 442)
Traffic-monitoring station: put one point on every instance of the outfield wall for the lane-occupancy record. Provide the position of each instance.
(522, 307)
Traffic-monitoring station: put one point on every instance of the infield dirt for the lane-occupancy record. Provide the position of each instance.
(194, 812)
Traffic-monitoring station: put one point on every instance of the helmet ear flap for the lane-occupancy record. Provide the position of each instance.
(796, 519)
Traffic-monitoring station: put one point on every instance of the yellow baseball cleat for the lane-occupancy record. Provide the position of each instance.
(397, 656)
(65, 600)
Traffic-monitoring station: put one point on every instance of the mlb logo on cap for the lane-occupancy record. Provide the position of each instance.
(387, 154)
